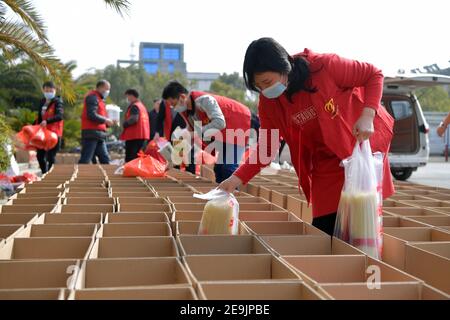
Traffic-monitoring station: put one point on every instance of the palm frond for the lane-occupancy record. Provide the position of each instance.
(29, 15)
(121, 6)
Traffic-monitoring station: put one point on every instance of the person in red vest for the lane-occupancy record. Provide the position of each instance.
(50, 115)
(322, 104)
(225, 120)
(136, 127)
(94, 122)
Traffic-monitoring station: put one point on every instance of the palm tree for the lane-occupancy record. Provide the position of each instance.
(24, 33)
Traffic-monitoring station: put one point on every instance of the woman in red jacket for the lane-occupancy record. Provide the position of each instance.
(322, 105)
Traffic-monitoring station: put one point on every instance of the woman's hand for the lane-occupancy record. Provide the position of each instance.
(230, 184)
(364, 128)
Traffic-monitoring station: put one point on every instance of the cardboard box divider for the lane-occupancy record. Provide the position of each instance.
(136, 217)
(427, 203)
(33, 294)
(77, 208)
(401, 222)
(116, 273)
(86, 200)
(34, 201)
(17, 218)
(411, 212)
(47, 248)
(70, 218)
(139, 200)
(58, 231)
(9, 231)
(282, 228)
(127, 207)
(152, 229)
(143, 293)
(25, 208)
(435, 221)
(220, 244)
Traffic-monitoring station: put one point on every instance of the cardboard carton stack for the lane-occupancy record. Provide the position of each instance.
(84, 233)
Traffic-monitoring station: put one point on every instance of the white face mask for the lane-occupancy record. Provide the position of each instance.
(274, 91)
(106, 94)
(180, 108)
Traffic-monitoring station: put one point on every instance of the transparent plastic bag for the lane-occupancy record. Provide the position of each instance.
(359, 219)
(221, 213)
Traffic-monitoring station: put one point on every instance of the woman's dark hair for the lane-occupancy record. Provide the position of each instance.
(48, 84)
(265, 55)
(173, 90)
(132, 92)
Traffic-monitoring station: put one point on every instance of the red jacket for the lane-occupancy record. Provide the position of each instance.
(344, 88)
(88, 124)
(237, 116)
(141, 129)
(58, 126)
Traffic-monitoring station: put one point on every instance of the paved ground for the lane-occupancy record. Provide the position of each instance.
(436, 173)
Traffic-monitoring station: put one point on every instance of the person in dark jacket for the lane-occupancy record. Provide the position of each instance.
(50, 115)
(177, 120)
(94, 123)
(153, 116)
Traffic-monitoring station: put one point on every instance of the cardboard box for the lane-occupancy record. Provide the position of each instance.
(397, 197)
(37, 274)
(17, 218)
(187, 227)
(386, 291)
(395, 204)
(27, 208)
(143, 207)
(294, 204)
(437, 196)
(86, 200)
(411, 212)
(441, 209)
(53, 194)
(115, 230)
(9, 231)
(257, 291)
(148, 293)
(237, 267)
(146, 194)
(34, 201)
(308, 245)
(58, 231)
(46, 248)
(396, 239)
(32, 294)
(136, 217)
(77, 208)
(283, 228)
(138, 272)
(343, 269)
(218, 244)
(71, 218)
(430, 262)
(136, 247)
(279, 197)
(140, 200)
(427, 203)
(400, 222)
(443, 221)
(87, 194)
(189, 199)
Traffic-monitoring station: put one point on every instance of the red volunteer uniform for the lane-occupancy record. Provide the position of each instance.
(88, 124)
(141, 129)
(56, 127)
(318, 127)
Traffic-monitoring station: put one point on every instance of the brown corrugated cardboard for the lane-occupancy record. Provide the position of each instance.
(395, 204)
(58, 231)
(308, 245)
(187, 227)
(279, 197)
(136, 247)
(294, 204)
(190, 199)
(139, 272)
(155, 229)
(242, 207)
(344, 269)
(37, 274)
(441, 209)
(143, 207)
(418, 234)
(283, 228)
(146, 194)
(386, 291)
(27, 208)
(18, 218)
(430, 262)
(437, 196)
(34, 201)
(257, 291)
(412, 212)
(140, 200)
(85, 201)
(136, 217)
(71, 218)
(53, 194)
(148, 293)
(267, 216)
(203, 245)
(32, 294)
(427, 203)
(237, 267)
(77, 208)
(433, 221)
(400, 222)
(46, 248)
(104, 194)
(9, 231)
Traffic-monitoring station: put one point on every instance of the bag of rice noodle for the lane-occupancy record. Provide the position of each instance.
(221, 213)
(359, 219)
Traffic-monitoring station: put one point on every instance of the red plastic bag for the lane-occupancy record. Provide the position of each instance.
(153, 151)
(37, 137)
(26, 177)
(145, 166)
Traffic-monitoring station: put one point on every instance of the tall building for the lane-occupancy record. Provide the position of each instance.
(169, 58)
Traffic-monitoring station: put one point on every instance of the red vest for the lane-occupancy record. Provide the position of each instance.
(141, 129)
(88, 124)
(237, 116)
(56, 127)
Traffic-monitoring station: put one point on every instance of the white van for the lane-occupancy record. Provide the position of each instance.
(410, 146)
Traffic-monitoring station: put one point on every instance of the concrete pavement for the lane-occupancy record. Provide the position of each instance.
(436, 173)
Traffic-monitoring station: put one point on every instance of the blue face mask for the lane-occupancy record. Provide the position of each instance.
(274, 91)
(49, 95)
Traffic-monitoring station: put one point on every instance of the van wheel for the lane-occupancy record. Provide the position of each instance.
(402, 174)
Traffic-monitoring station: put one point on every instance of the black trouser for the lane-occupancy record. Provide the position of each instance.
(326, 223)
(46, 159)
(132, 148)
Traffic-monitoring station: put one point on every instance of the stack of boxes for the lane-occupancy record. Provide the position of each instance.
(83, 233)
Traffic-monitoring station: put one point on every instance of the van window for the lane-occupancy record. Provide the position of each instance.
(401, 109)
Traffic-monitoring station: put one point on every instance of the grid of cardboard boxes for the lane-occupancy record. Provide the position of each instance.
(85, 233)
